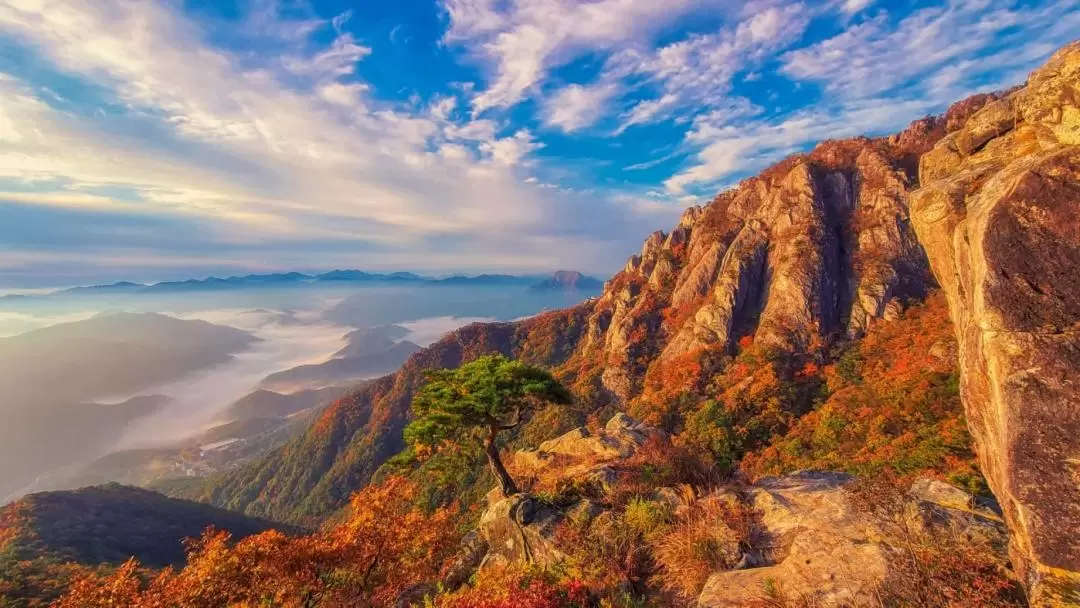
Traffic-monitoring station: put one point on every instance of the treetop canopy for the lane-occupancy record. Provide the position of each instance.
(491, 391)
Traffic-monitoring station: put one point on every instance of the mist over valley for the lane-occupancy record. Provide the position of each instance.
(138, 384)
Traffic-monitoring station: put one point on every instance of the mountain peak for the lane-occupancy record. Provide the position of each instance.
(569, 280)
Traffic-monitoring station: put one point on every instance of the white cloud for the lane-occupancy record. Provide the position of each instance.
(511, 150)
(730, 145)
(523, 39)
(262, 150)
(578, 106)
(876, 56)
(697, 72)
(877, 75)
(854, 6)
(283, 146)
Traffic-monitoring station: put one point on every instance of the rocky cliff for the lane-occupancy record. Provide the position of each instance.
(999, 216)
(819, 245)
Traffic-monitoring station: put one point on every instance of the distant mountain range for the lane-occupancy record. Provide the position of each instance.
(562, 279)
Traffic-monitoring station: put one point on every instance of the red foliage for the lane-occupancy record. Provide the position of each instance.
(517, 587)
(893, 401)
(384, 547)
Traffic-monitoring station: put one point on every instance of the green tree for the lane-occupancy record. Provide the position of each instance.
(492, 394)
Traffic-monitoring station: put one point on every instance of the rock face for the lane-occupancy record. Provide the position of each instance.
(621, 437)
(825, 551)
(817, 245)
(999, 216)
(518, 529)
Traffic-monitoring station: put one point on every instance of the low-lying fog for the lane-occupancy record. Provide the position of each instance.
(290, 328)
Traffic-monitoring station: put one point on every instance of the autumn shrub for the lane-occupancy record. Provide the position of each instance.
(660, 463)
(648, 517)
(711, 535)
(385, 546)
(606, 553)
(516, 586)
(935, 566)
(891, 401)
(709, 431)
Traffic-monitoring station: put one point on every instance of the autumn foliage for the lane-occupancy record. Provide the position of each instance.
(889, 401)
(384, 547)
(518, 586)
(886, 404)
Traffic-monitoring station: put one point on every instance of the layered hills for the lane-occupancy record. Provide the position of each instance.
(49, 537)
(64, 387)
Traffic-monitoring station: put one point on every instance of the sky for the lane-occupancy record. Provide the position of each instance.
(161, 139)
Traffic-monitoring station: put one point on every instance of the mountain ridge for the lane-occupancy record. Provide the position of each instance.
(293, 278)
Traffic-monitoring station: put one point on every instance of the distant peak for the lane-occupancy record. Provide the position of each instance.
(569, 280)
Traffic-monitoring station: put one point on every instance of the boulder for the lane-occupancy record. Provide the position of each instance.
(518, 529)
(826, 551)
(468, 558)
(621, 438)
(823, 548)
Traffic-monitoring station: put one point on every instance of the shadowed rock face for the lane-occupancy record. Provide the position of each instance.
(815, 246)
(999, 216)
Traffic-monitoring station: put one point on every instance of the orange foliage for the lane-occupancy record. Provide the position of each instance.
(517, 587)
(893, 401)
(384, 547)
(676, 316)
(745, 343)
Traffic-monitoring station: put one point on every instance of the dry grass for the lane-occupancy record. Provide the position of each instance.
(711, 535)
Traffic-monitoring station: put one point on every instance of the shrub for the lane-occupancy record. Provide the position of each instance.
(648, 517)
(709, 431)
(517, 586)
(606, 553)
(936, 566)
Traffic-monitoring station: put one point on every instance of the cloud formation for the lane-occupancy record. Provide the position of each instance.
(145, 139)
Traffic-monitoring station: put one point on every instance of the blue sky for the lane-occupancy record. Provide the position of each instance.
(165, 139)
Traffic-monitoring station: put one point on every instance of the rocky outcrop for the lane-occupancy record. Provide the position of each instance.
(620, 438)
(824, 550)
(999, 216)
(818, 245)
(810, 539)
(518, 529)
(521, 528)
